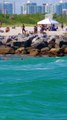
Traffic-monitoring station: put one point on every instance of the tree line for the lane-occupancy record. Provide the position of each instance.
(6, 19)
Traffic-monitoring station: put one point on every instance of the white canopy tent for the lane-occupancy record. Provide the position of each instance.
(48, 21)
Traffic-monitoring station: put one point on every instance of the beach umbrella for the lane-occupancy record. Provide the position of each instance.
(48, 21)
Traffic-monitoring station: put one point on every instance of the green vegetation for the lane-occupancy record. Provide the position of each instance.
(20, 19)
(27, 19)
(60, 18)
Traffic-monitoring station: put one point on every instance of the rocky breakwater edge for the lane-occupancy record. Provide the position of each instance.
(34, 45)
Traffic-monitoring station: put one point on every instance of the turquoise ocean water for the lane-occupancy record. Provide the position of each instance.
(33, 88)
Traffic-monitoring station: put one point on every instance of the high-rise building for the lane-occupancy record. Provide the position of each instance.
(39, 9)
(8, 8)
(60, 7)
(29, 8)
(43, 7)
(32, 8)
(64, 12)
(0, 8)
(49, 8)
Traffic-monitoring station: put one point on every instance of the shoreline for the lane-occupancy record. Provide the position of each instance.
(48, 43)
(18, 30)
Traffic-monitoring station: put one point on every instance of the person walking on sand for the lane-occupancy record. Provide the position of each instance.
(23, 28)
(41, 28)
(35, 29)
(62, 25)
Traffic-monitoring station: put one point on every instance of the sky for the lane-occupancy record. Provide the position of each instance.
(18, 3)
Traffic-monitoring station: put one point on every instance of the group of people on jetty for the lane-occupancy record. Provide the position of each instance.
(43, 28)
(37, 28)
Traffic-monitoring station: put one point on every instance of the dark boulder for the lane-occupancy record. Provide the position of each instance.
(28, 42)
(62, 43)
(1, 43)
(42, 45)
(61, 52)
(8, 40)
(18, 44)
(6, 50)
(51, 43)
(44, 51)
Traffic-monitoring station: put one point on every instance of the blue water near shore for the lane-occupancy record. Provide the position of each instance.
(33, 88)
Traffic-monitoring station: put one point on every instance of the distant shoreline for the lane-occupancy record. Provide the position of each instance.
(49, 43)
(18, 30)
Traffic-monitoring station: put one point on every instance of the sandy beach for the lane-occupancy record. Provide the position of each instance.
(18, 30)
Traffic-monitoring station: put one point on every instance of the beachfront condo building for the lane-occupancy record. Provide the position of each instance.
(39, 9)
(49, 8)
(60, 7)
(29, 8)
(6, 8)
(32, 8)
(64, 12)
(0, 8)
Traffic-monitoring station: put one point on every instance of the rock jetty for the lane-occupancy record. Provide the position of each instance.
(34, 45)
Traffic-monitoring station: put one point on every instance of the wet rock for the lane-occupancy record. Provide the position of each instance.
(1, 43)
(6, 50)
(61, 52)
(34, 44)
(42, 45)
(44, 51)
(53, 52)
(51, 43)
(34, 52)
(19, 50)
(27, 43)
(18, 44)
(62, 43)
(8, 40)
(39, 43)
(65, 50)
